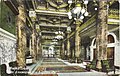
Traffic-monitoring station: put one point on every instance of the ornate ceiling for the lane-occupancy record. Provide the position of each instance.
(51, 16)
(52, 13)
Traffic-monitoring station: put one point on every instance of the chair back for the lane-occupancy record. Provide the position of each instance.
(3, 69)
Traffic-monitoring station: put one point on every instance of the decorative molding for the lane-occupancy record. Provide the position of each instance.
(7, 34)
(113, 21)
(48, 37)
(87, 23)
(113, 14)
(57, 4)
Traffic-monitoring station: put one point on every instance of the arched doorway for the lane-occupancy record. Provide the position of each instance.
(110, 48)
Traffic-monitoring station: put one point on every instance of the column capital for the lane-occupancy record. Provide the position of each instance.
(78, 22)
(68, 34)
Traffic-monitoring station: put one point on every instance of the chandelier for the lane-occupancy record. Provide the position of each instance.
(79, 11)
(54, 41)
(59, 35)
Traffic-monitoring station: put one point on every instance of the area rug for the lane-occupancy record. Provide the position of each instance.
(50, 60)
(66, 69)
(59, 69)
(53, 63)
(44, 75)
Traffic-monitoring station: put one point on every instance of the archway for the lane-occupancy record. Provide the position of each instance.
(111, 48)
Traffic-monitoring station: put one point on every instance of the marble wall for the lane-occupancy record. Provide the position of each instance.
(7, 47)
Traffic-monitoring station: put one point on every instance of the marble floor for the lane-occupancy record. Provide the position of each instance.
(59, 67)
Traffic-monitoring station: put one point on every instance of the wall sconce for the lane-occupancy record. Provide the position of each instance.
(68, 29)
(32, 15)
(37, 27)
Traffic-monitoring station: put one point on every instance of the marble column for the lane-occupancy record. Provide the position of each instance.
(34, 44)
(63, 51)
(102, 29)
(38, 48)
(77, 40)
(21, 35)
(68, 46)
(30, 45)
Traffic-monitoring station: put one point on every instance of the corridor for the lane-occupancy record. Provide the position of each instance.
(59, 38)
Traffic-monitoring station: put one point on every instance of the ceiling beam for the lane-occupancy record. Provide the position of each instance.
(48, 32)
(33, 3)
(12, 6)
(54, 26)
(51, 13)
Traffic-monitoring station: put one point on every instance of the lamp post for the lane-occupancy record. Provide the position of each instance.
(78, 13)
(77, 41)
